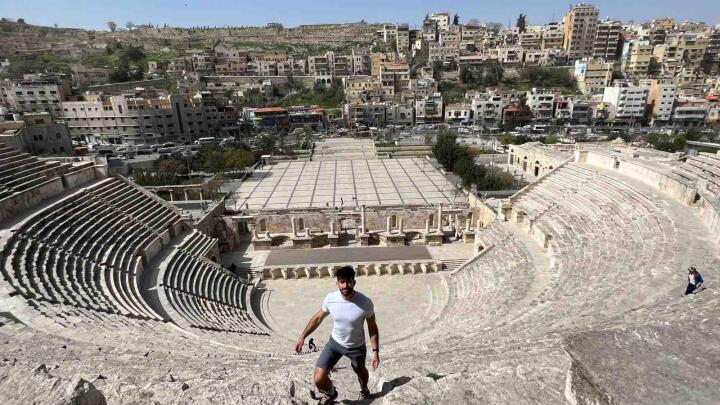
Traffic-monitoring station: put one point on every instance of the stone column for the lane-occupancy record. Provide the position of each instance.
(362, 219)
(171, 196)
(254, 232)
(201, 195)
(467, 225)
(294, 227)
(400, 225)
(307, 232)
(439, 218)
(332, 227)
(387, 224)
(186, 194)
(427, 226)
(477, 226)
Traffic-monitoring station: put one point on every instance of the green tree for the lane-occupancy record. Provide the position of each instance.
(112, 26)
(551, 139)
(521, 23)
(237, 159)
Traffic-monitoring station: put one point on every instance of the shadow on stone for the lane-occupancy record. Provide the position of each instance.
(387, 387)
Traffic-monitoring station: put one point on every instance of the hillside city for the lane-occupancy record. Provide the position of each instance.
(530, 212)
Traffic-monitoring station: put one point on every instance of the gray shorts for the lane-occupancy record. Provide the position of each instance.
(333, 351)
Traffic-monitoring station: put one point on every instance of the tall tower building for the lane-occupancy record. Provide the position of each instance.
(580, 31)
(607, 39)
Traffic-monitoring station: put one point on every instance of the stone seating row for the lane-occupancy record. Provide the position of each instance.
(593, 235)
(88, 251)
(44, 272)
(93, 228)
(198, 244)
(203, 293)
(20, 171)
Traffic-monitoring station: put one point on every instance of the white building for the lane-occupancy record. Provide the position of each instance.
(540, 103)
(429, 109)
(626, 102)
(458, 113)
(487, 109)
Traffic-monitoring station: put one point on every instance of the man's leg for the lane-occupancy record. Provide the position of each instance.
(357, 361)
(329, 357)
(363, 377)
(322, 380)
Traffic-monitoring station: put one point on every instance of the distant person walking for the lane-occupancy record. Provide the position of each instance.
(311, 345)
(350, 309)
(695, 281)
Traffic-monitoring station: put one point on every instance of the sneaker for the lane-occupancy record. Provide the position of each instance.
(364, 395)
(328, 399)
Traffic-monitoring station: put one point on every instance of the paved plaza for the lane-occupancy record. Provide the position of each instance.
(344, 149)
(345, 183)
(346, 255)
(403, 304)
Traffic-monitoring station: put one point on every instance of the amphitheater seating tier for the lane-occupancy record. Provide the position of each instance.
(20, 171)
(86, 249)
(203, 293)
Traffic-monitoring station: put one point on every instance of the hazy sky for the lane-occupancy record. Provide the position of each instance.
(95, 13)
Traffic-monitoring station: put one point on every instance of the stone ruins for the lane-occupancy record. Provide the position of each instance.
(570, 291)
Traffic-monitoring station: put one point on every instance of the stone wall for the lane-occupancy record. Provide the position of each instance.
(375, 219)
(481, 211)
(710, 213)
(13, 205)
(80, 177)
(636, 169)
(527, 157)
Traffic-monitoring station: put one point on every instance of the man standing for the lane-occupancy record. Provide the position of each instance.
(349, 309)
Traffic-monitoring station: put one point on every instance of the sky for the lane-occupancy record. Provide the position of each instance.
(94, 14)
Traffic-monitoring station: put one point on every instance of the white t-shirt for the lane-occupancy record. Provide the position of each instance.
(348, 317)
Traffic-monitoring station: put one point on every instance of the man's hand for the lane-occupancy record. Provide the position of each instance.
(375, 362)
(299, 344)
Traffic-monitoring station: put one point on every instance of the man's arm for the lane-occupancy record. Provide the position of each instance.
(374, 341)
(314, 322)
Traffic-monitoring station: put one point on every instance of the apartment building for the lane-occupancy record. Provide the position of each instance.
(607, 40)
(592, 75)
(402, 38)
(36, 93)
(362, 88)
(487, 109)
(531, 39)
(400, 114)
(394, 78)
(637, 59)
(37, 134)
(135, 119)
(690, 112)
(429, 109)
(661, 98)
(625, 102)
(443, 51)
(368, 114)
(442, 20)
(453, 35)
(580, 31)
(377, 59)
(331, 64)
(458, 114)
(552, 36)
(541, 103)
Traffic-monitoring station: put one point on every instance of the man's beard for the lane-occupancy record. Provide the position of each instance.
(346, 291)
